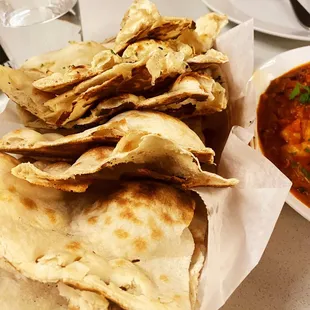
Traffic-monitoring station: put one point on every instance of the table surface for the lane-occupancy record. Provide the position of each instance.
(281, 281)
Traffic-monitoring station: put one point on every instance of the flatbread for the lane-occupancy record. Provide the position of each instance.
(198, 90)
(142, 20)
(202, 38)
(55, 82)
(192, 94)
(199, 229)
(19, 293)
(151, 71)
(159, 158)
(129, 243)
(31, 121)
(203, 61)
(75, 54)
(83, 300)
(17, 85)
(31, 143)
(106, 109)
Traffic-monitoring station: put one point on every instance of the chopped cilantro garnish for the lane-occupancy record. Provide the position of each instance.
(304, 98)
(295, 92)
(302, 91)
(307, 149)
(113, 52)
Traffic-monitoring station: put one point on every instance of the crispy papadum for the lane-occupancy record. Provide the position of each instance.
(31, 143)
(129, 243)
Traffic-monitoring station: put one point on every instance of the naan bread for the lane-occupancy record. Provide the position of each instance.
(58, 81)
(83, 300)
(153, 70)
(202, 38)
(75, 54)
(198, 90)
(203, 61)
(199, 230)
(106, 109)
(32, 121)
(192, 94)
(31, 143)
(142, 20)
(20, 293)
(17, 85)
(129, 243)
(136, 155)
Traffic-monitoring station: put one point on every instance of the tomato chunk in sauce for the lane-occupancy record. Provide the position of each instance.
(283, 123)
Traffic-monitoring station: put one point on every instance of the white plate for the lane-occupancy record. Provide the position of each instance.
(275, 17)
(258, 84)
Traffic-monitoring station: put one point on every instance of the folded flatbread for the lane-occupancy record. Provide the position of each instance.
(75, 54)
(136, 154)
(20, 293)
(202, 38)
(17, 85)
(31, 143)
(199, 90)
(152, 71)
(59, 81)
(142, 20)
(130, 243)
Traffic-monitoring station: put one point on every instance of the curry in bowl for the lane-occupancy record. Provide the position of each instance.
(283, 125)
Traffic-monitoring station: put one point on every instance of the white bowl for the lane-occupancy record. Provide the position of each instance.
(258, 84)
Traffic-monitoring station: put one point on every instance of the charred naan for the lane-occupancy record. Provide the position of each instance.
(135, 154)
(142, 20)
(196, 89)
(31, 143)
(130, 243)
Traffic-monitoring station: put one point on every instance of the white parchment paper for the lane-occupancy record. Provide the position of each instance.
(241, 219)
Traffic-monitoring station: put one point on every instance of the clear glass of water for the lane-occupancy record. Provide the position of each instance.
(33, 27)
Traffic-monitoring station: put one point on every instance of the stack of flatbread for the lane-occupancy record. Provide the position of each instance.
(97, 212)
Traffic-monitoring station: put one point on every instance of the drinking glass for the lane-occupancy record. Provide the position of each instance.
(33, 27)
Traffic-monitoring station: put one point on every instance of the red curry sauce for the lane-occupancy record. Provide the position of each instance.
(283, 118)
